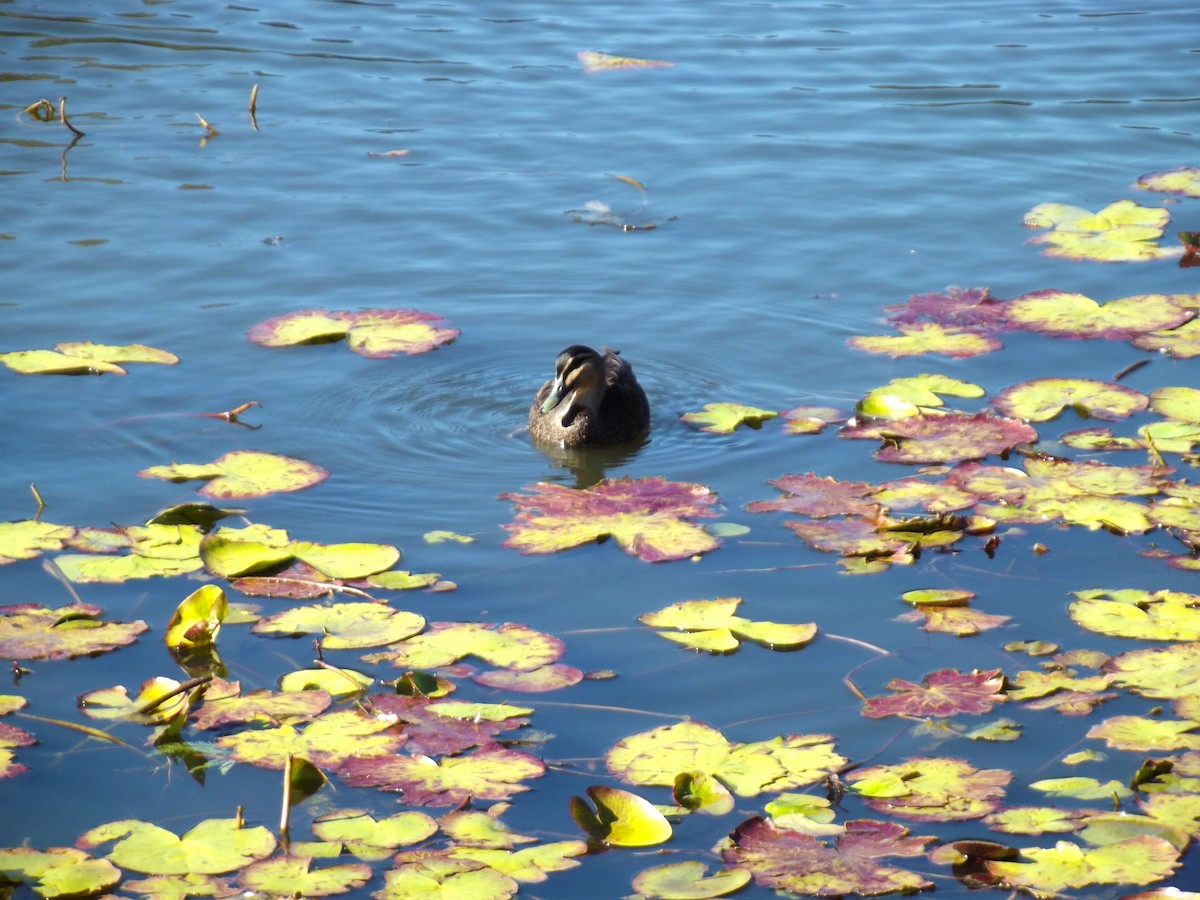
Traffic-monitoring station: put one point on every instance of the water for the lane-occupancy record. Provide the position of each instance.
(807, 164)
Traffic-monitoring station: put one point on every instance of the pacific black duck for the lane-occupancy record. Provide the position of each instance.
(592, 401)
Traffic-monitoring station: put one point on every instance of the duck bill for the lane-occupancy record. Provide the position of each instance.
(555, 397)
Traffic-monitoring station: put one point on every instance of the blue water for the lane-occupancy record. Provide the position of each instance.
(806, 164)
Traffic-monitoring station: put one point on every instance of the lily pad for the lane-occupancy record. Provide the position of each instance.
(224, 704)
(345, 626)
(84, 358)
(648, 517)
(621, 818)
(294, 876)
(970, 309)
(1179, 403)
(820, 497)
(360, 834)
(373, 333)
(508, 645)
(1183, 181)
(687, 881)
(58, 871)
(931, 789)
(903, 397)
(29, 631)
(1069, 867)
(244, 473)
(723, 418)
(213, 847)
(927, 337)
(1067, 315)
(1041, 399)
(1121, 232)
(942, 437)
(328, 741)
(153, 551)
(27, 539)
(1132, 613)
(1179, 343)
(713, 626)
(946, 692)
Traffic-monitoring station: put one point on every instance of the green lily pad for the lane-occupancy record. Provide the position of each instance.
(360, 834)
(508, 645)
(197, 620)
(648, 518)
(687, 881)
(84, 358)
(1158, 672)
(902, 397)
(213, 847)
(1121, 232)
(1183, 181)
(927, 337)
(1144, 735)
(702, 793)
(1081, 788)
(1179, 403)
(1036, 820)
(115, 702)
(529, 865)
(1068, 315)
(723, 418)
(1132, 613)
(810, 419)
(437, 878)
(345, 626)
(476, 828)
(244, 473)
(374, 333)
(1182, 342)
(1041, 399)
(657, 756)
(947, 611)
(27, 539)
(153, 551)
(328, 741)
(712, 626)
(224, 704)
(293, 876)
(931, 789)
(58, 871)
(29, 631)
(621, 818)
(1069, 867)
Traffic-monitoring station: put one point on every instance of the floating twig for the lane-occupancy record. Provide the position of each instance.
(40, 502)
(43, 110)
(62, 114)
(212, 132)
(231, 415)
(285, 814)
(1131, 368)
(253, 107)
(82, 729)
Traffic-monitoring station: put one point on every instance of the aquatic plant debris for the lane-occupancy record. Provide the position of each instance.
(373, 333)
(594, 61)
(648, 517)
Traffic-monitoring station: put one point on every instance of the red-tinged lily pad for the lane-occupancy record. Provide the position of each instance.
(811, 495)
(58, 871)
(244, 473)
(621, 818)
(12, 737)
(1063, 314)
(937, 497)
(657, 756)
(213, 847)
(374, 333)
(714, 627)
(492, 772)
(1041, 399)
(947, 611)
(29, 631)
(687, 881)
(153, 550)
(879, 538)
(327, 741)
(946, 692)
(927, 337)
(972, 309)
(28, 538)
(931, 789)
(1144, 735)
(509, 645)
(942, 437)
(1183, 181)
(1179, 343)
(723, 418)
(224, 704)
(1069, 867)
(293, 876)
(1179, 403)
(594, 61)
(449, 726)
(1096, 440)
(84, 358)
(1121, 232)
(798, 863)
(1036, 820)
(648, 518)
(345, 626)
(1145, 615)
(810, 419)
(544, 678)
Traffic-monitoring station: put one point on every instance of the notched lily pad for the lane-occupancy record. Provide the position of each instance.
(29, 631)
(946, 692)
(714, 627)
(1183, 181)
(1068, 867)
(84, 358)
(240, 474)
(931, 789)
(1139, 614)
(723, 418)
(213, 847)
(648, 517)
(508, 645)
(373, 333)
(687, 881)
(927, 337)
(345, 626)
(1121, 232)
(942, 437)
(58, 871)
(1063, 314)
(1040, 399)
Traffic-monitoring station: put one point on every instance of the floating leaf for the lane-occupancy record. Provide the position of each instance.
(27, 539)
(810, 419)
(1041, 399)
(1179, 403)
(657, 756)
(972, 309)
(687, 881)
(345, 626)
(1066, 315)
(84, 358)
(374, 333)
(529, 865)
(212, 847)
(224, 704)
(29, 631)
(942, 437)
(1158, 672)
(1180, 343)
(947, 611)
(440, 877)
(1144, 735)
(58, 871)
(158, 701)
(328, 741)
(946, 692)
(723, 418)
(712, 625)
(903, 397)
(1121, 232)
(492, 772)
(927, 337)
(801, 864)
(368, 839)
(544, 678)
(931, 789)
(1082, 788)
(621, 818)
(1131, 613)
(292, 876)
(1067, 866)
(701, 792)
(448, 726)
(1183, 181)
(603, 62)
(812, 495)
(244, 473)
(508, 645)
(648, 517)
(197, 620)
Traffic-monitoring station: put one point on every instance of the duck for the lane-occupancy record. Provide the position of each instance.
(593, 400)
